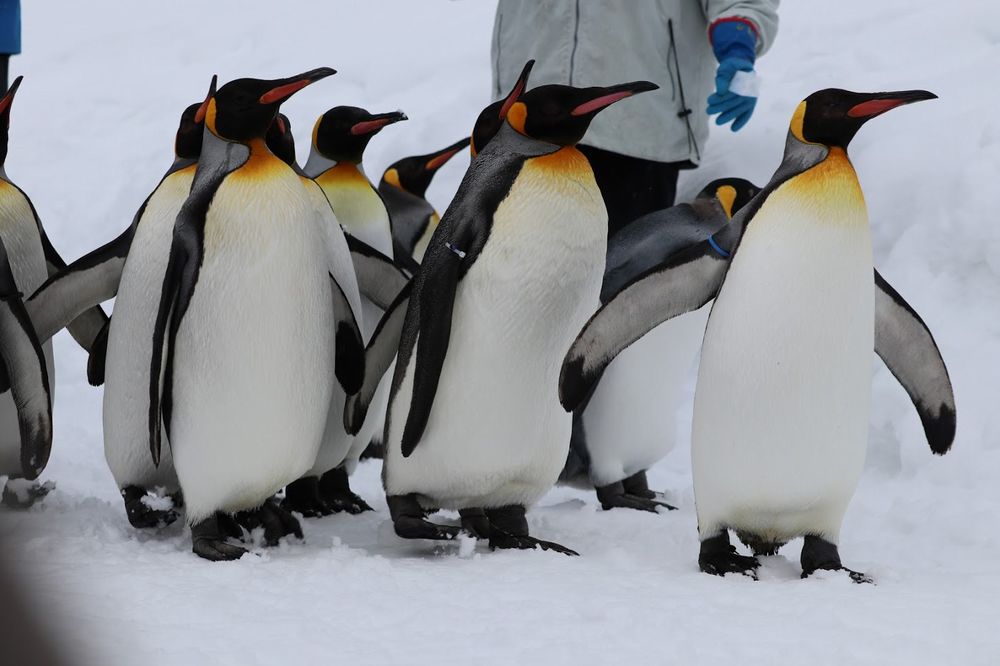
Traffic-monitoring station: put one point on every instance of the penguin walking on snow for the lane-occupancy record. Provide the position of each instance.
(784, 385)
(403, 188)
(629, 421)
(242, 363)
(512, 269)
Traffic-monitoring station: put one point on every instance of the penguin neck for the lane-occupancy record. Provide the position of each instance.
(319, 163)
(218, 156)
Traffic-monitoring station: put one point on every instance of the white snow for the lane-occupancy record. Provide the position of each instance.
(91, 133)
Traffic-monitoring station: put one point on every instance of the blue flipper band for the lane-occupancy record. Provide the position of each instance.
(718, 248)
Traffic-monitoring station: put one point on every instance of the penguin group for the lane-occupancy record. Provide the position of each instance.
(272, 322)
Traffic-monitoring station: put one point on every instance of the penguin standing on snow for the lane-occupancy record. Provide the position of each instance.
(513, 267)
(340, 137)
(629, 421)
(242, 364)
(403, 186)
(784, 387)
(32, 258)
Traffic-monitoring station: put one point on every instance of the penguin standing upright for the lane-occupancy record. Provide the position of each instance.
(242, 364)
(32, 258)
(340, 137)
(403, 188)
(474, 422)
(784, 385)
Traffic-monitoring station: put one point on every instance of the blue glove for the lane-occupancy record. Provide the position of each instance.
(734, 44)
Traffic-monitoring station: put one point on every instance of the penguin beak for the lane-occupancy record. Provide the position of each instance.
(518, 89)
(601, 98)
(284, 88)
(439, 160)
(377, 122)
(8, 97)
(199, 115)
(879, 103)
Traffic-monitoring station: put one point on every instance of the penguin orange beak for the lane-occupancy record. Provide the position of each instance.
(879, 103)
(199, 115)
(377, 122)
(604, 97)
(439, 159)
(8, 97)
(518, 89)
(285, 88)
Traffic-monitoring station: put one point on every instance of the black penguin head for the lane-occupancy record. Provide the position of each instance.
(414, 174)
(732, 193)
(342, 133)
(5, 103)
(561, 114)
(187, 142)
(244, 109)
(491, 118)
(279, 139)
(832, 117)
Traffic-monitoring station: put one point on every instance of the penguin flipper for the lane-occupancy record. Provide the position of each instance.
(26, 371)
(381, 351)
(98, 357)
(683, 283)
(350, 346)
(905, 344)
(379, 279)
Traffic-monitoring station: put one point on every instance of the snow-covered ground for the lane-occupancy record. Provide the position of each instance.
(91, 134)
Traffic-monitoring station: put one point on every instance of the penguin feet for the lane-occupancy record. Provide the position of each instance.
(145, 511)
(208, 540)
(409, 523)
(616, 496)
(335, 490)
(276, 521)
(304, 497)
(718, 557)
(22, 493)
(475, 523)
(820, 554)
(638, 486)
(509, 529)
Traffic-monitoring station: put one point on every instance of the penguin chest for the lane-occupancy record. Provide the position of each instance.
(253, 365)
(358, 207)
(781, 407)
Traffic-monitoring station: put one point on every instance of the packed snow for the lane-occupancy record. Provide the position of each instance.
(91, 134)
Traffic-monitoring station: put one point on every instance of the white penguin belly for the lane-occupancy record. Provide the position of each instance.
(631, 420)
(253, 367)
(496, 434)
(27, 262)
(130, 343)
(784, 386)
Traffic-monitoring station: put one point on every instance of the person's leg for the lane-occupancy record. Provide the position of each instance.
(4, 70)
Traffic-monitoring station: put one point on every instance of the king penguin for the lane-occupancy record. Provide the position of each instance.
(630, 420)
(514, 266)
(242, 365)
(784, 385)
(340, 137)
(32, 258)
(403, 188)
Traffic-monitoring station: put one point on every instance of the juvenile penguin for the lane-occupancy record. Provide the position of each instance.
(403, 188)
(340, 137)
(513, 267)
(242, 364)
(629, 421)
(32, 258)
(784, 385)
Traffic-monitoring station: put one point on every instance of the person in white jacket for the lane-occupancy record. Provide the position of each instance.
(636, 150)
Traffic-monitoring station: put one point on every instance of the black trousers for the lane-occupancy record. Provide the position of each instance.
(631, 186)
(4, 64)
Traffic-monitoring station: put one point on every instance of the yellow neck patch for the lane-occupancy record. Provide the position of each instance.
(796, 125)
(727, 197)
(316, 130)
(392, 177)
(261, 164)
(210, 116)
(344, 174)
(833, 186)
(517, 115)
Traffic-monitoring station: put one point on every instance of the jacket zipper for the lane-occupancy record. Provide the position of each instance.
(685, 112)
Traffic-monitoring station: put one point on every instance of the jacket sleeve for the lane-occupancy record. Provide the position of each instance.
(763, 14)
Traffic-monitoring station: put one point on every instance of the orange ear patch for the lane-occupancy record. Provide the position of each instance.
(517, 116)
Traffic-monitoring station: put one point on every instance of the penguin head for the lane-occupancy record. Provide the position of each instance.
(244, 109)
(187, 142)
(5, 103)
(732, 193)
(561, 114)
(279, 139)
(414, 174)
(832, 117)
(342, 133)
(491, 118)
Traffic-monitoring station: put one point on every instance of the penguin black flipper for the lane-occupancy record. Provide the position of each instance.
(24, 365)
(683, 283)
(350, 346)
(379, 354)
(905, 344)
(98, 357)
(379, 279)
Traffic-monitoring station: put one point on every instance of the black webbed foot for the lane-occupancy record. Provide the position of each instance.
(509, 529)
(638, 486)
(140, 514)
(475, 523)
(208, 541)
(335, 491)
(718, 557)
(276, 521)
(820, 554)
(409, 523)
(304, 497)
(23, 494)
(614, 496)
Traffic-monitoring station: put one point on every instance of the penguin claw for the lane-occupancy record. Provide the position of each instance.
(634, 502)
(856, 576)
(352, 505)
(303, 496)
(730, 562)
(411, 527)
(216, 550)
(504, 540)
(335, 491)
